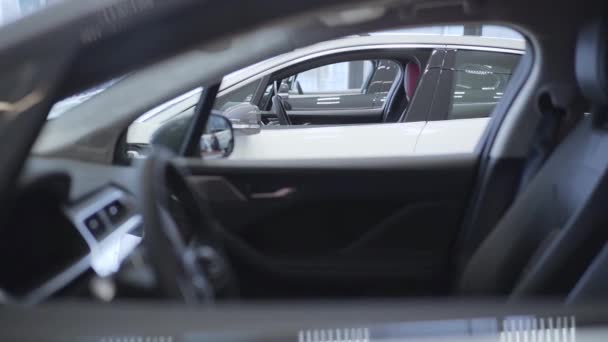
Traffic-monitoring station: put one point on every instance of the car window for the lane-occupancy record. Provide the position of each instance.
(238, 95)
(352, 85)
(374, 107)
(342, 78)
(479, 82)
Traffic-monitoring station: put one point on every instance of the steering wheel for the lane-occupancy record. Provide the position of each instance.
(185, 254)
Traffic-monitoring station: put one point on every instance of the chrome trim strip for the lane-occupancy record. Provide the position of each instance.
(484, 48)
(280, 193)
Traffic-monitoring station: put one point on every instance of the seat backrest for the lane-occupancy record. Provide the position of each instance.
(403, 93)
(410, 79)
(594, 282)
(557, 224)
(565, 200)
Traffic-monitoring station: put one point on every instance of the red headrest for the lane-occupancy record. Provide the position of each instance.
(412, 74)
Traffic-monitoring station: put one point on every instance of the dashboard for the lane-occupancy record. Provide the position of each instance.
(70, 219)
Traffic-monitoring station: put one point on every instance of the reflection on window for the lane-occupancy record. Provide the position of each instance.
(346, 76)
(243, 94)
(479, 81)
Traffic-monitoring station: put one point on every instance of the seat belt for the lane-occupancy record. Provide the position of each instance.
(546, 137)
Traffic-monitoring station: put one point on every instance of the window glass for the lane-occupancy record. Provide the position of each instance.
(479, 81)
(352, 85)
(241, 94)
(346, 77)
(362, 107)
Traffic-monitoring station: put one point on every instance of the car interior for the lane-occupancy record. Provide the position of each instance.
(520, 218)
(389, 90)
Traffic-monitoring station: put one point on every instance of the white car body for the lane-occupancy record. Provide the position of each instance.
(361, 141)
(341, 141)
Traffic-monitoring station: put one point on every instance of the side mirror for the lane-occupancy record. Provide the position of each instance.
(246, 118)
(217, 140)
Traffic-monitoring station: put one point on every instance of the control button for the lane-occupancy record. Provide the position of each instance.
(115, 211)
(95, 225)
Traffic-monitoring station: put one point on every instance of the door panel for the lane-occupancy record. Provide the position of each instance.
(307, 142)
(451, 136)
(335, 117)
(329, 116)
(336, 109)
(324, 102)
(341, 228)
(340, 93)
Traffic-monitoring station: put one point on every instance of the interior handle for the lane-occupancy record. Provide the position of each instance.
(280, 193)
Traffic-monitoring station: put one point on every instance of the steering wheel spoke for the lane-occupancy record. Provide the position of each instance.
(185, 252)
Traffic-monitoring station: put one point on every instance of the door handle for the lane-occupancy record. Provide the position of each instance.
(280, 193)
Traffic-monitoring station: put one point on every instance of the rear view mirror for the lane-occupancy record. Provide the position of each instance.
(217, 140)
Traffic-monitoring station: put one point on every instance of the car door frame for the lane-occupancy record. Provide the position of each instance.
(399, 53)
(268, 188)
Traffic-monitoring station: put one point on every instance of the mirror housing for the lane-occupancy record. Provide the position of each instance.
(217, 140)
(246, 118)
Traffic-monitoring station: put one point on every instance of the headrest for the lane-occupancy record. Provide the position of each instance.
(412, 74)
(591, 62)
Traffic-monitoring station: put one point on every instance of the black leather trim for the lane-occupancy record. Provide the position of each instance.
(591, 59)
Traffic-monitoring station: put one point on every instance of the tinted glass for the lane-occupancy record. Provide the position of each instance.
(353, 85)
(480, 79)
(236, 96)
